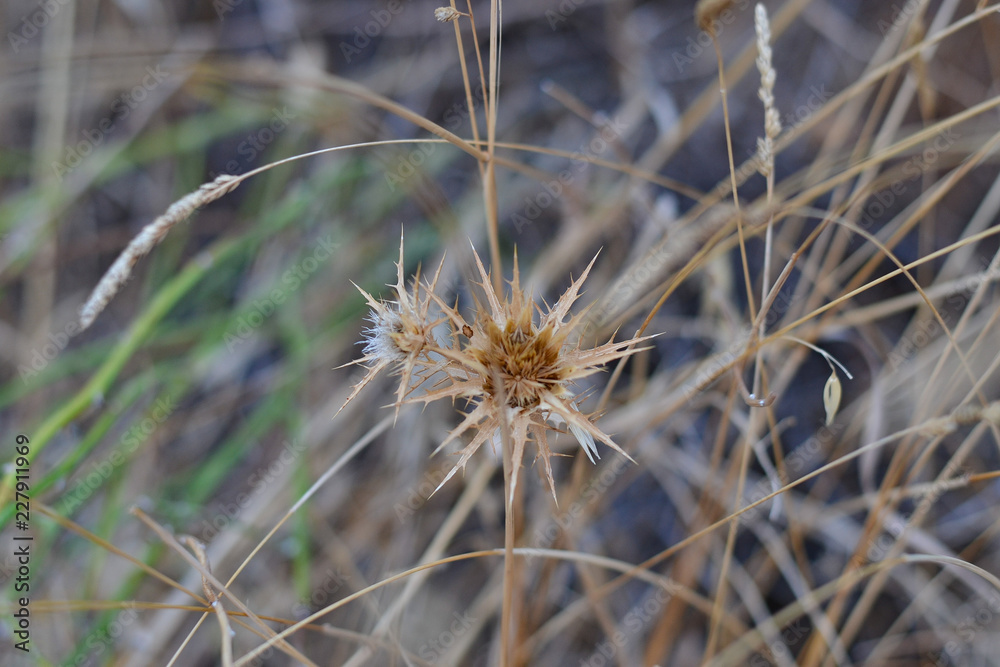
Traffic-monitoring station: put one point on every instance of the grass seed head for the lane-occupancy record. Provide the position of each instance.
(447, 14)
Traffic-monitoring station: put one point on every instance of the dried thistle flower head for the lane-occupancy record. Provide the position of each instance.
(401, 331)
(447, 14)
(516, 372)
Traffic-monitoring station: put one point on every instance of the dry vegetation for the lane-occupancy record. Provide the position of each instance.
(789, 457)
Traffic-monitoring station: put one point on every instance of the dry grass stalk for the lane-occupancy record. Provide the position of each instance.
(765, 155)
(707, 11)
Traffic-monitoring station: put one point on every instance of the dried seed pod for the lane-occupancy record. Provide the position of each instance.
(515, 370)
(832, 390)
(707, 11)
(446, 14)
(831, 396)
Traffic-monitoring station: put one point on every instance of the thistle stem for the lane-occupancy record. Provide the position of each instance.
(509, 571)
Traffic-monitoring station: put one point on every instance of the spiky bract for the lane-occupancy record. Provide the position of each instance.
(515, 372)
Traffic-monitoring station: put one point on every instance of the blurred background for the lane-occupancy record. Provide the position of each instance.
(205, 393)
